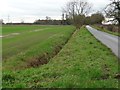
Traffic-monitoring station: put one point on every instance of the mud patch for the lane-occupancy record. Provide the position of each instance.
(35, 62)
(43, 59)
(102, 77)
(117, 76)
(105, 73)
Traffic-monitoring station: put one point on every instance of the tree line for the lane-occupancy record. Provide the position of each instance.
(96, 18)
(77, 12)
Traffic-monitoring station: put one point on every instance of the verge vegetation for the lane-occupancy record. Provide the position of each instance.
(83, 62)
(106, 30)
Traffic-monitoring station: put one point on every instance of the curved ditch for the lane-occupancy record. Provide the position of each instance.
(45, 58)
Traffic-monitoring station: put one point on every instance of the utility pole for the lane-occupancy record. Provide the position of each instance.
(63, 16)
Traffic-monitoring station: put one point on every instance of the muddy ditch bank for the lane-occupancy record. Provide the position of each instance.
(45, 57)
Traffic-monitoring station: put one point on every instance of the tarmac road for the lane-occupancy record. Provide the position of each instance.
(109, 40)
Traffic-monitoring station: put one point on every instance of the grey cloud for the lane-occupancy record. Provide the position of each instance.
(41, 8)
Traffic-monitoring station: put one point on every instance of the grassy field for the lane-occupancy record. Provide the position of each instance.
(82, 63)
(32, 43)
(105, 30)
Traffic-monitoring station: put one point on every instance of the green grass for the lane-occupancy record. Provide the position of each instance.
(7, 29)
(105, 30)
(19, 50)
(82, 63)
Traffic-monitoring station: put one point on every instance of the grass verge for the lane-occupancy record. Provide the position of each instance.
(105, 30)
(83, 63)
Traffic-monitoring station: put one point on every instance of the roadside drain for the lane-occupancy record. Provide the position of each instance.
(45, 58)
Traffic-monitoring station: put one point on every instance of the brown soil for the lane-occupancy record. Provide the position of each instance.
(117, 76)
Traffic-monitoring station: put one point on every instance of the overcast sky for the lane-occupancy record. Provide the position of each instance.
(30, 10)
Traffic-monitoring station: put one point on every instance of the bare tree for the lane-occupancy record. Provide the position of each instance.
(112, 10)
(76, 9)
(48, 18)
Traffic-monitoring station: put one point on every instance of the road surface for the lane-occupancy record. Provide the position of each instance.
(109, 40)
